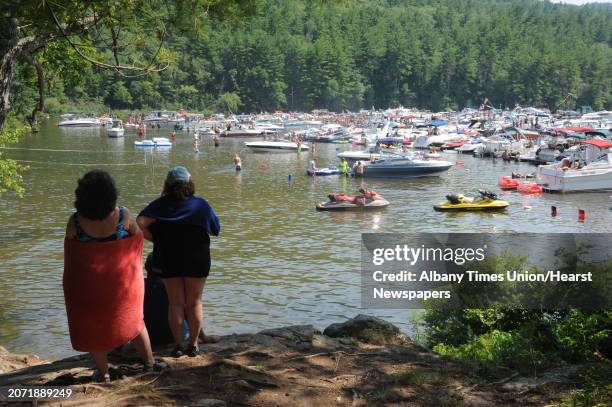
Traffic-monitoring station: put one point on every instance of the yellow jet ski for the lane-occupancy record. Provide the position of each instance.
(487, 201)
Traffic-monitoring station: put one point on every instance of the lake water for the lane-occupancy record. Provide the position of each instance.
(277, 262)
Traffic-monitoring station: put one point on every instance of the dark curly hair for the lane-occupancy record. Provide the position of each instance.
(96, 195)
(178, 190)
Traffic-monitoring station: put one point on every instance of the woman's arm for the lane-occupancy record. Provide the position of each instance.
(130, 224)
(144, 222)
(214, 226)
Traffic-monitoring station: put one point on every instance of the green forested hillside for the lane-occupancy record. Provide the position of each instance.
(299, 55)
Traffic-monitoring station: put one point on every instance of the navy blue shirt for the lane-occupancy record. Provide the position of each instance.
(181, 235)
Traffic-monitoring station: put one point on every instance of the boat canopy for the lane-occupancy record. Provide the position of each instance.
(599, 143)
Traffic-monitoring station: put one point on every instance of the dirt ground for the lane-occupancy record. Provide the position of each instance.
(292, 366)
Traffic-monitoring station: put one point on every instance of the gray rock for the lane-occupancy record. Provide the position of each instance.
(210, 403)
(295, 333)
(365, 328)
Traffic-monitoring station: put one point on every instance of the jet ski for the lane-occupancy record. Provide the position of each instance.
(323, 171)
(367, 200)
(487, 201)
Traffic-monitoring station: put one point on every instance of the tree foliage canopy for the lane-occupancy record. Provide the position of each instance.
(300, 55)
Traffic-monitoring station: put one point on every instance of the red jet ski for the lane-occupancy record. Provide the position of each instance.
(367, 200)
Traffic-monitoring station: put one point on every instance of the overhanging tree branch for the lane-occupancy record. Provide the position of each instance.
(119, 68)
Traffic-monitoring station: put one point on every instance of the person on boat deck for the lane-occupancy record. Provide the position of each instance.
(99, 219)
(238, 162)
(343, 167)
(566, 163)
(180, 224)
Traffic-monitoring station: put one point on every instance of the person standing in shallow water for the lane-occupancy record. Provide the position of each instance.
(180, 224)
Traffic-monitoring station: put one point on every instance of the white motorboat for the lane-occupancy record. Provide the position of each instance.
(596, 175)
(403, 166)
(205, 131)
(371, 152)
(268, 127)
(440, 139)
(281, 146)
(303, 123)
(116, 129)
(155, 142)
(81, 122)
(421, 142)
(242, 133)
(475, 146)
(159, 117)
(496, 145)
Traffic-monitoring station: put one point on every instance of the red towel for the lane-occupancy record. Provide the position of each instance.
(104, 292)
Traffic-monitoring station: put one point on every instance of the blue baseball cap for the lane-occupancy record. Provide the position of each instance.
(178, 174)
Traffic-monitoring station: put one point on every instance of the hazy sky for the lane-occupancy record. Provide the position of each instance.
(581, 1)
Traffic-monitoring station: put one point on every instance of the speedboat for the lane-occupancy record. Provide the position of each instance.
(367, 200)
(155, 142)
(281, 146)
(116, 130)
(371, 152)
(391, 165)
(158, 117)
(82, 122)
(268, 127)
(242, 133)
(475, 146)
(487, 201)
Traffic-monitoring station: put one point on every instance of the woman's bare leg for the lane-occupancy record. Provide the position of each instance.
(101, 361)
(142, 343)
(193, 307)
(175, 288)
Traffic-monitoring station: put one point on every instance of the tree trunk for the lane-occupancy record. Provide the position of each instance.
(40, 74)
(10, 51)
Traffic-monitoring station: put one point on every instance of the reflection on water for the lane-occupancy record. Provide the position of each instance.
(278, 260)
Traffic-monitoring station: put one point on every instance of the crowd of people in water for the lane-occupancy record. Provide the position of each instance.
(179, 224)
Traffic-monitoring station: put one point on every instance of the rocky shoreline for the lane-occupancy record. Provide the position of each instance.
(362, 362)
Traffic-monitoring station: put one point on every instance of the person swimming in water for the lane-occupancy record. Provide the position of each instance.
(238, 162)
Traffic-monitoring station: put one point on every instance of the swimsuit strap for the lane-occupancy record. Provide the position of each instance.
(80, 233)
(121, 231)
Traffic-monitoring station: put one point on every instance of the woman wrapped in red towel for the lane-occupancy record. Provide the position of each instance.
(103, 279)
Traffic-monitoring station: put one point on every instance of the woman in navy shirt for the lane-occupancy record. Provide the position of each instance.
(179, 224)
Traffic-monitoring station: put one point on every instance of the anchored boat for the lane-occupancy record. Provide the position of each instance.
(404, 166)
(282, 146)
(155, 142)
(116, 130)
